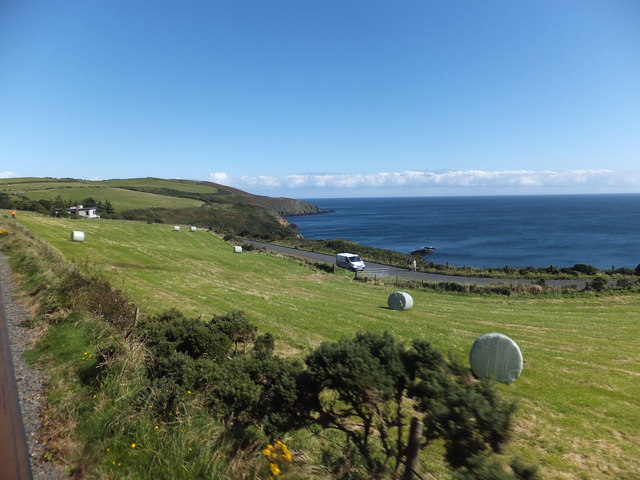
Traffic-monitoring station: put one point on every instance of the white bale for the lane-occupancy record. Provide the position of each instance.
(496, 356)
(77, 236)
(176, 228)
(400, 301)
(193, 229)
(237, 249)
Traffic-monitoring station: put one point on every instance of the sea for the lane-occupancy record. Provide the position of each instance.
(602, 230)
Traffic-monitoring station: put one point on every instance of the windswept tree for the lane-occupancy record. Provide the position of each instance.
(369, 387)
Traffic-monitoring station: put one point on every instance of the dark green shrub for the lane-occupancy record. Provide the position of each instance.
(163, 396)
(260, 390)
(236, 327)
(598, 284)
(190, 336)
(264, 345)
(623, 271)
(186, 371)
(364, 386)
(625, 283)
(526, 270)
(93, 294)
(585, 269)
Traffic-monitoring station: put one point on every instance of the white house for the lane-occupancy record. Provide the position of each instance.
(80, 211)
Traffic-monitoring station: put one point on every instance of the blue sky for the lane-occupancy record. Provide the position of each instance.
(326, 98)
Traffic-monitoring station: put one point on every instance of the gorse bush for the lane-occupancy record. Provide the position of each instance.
(234, 369)
(171, 332)
(261, 392)
(369, 387)
(96, 295)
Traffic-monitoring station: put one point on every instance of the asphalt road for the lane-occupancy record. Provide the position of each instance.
(391, 271)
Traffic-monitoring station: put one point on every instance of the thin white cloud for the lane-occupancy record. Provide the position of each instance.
(221, 178)
(8, 175)
(417, 179)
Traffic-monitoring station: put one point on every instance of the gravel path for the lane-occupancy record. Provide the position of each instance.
(30, 382)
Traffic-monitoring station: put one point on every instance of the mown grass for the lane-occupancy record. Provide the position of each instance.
(578, 393)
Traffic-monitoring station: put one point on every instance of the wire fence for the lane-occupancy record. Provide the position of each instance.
(373, 272)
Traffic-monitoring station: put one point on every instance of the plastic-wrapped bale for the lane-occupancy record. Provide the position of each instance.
(400, 301)
(496, 356)
(193, 229)
(77, 236)
(237, 249)
(176, 228)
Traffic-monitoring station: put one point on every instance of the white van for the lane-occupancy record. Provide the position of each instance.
(350, 261)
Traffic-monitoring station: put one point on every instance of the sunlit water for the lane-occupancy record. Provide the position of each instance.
(560, 230)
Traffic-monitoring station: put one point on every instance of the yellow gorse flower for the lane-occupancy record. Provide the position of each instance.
(275, 470)
(277, 454)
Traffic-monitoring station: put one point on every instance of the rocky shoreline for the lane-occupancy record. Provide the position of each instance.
(30, 382)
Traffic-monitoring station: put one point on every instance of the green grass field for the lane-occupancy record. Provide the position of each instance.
(41, 185)
(116, 191)
(120, 198)
(35, 183)
(579, 413)
(182, 185)
(4, 182)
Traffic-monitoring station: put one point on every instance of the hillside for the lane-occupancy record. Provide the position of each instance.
(576, 416)
(204, 204)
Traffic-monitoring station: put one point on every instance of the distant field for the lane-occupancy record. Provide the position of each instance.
(578, 394)
(6, 181)
(38, 185)
(120, 198)
(182, 185)
(34, 183)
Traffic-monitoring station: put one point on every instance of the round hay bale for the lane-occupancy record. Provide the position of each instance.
(176, 228)
(77, 236)
(496, 356)
(193, 229)
(400, 301)
(237, 249)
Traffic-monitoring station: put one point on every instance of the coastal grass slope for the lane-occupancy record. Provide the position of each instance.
(174, 190)
(578, 415)
(224, 209)
(121, 199)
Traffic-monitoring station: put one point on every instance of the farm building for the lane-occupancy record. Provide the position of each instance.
(80, 211)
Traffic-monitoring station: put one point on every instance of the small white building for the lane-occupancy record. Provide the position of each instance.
(80, 211)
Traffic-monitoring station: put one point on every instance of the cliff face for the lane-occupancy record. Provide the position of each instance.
(287, 207)
(282, 206)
